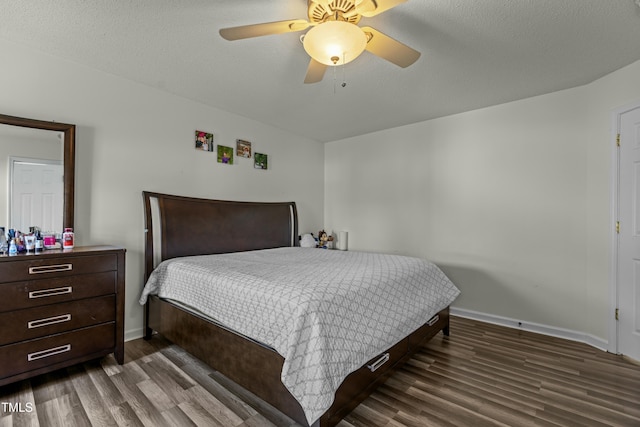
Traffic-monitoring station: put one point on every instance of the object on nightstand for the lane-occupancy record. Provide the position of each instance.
(342, 240)
(322, 239)
(330, 240)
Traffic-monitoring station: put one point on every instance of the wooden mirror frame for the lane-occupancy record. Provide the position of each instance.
(69, 156)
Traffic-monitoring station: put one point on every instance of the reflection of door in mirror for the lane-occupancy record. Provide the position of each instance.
(36, 194)
(20, 142)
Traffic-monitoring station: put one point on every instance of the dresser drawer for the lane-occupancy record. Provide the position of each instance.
(37, 322)
(29, 355)
(35, 293)
(63, 266)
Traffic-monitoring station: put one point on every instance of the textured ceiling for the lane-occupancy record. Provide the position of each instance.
(475, 53)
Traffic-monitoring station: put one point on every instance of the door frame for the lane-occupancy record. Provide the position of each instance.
(613, 341)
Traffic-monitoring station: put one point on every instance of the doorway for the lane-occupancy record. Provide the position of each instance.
(627, 236)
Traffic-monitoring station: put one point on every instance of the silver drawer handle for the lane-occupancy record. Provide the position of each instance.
(49, 352)
(50, 268)
(49, 321)
(433, 320)
(50, 292)
(375, 365)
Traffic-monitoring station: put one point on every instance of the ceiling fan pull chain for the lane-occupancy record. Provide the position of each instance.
(344, 73)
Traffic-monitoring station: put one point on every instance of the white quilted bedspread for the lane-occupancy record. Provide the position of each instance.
(326, 312)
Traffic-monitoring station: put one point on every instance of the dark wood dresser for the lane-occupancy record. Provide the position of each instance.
(59, 308)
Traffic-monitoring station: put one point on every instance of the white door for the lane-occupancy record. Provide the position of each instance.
(628, 274)
(36, 195)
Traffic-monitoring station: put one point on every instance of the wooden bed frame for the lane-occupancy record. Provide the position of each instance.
(183, 226)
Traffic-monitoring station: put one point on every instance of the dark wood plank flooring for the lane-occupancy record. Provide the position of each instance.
(482, 375)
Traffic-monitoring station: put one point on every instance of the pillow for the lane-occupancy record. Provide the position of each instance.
(307, 241)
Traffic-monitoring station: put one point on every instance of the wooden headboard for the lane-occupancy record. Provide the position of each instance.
(178, 226)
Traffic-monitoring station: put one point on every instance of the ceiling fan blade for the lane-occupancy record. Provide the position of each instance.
(371, 8)
(315, 71)
(390, 49)
(268, 28)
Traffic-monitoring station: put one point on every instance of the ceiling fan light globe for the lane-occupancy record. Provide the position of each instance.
(332, 39)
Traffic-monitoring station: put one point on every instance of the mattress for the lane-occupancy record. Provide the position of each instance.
(325, 312)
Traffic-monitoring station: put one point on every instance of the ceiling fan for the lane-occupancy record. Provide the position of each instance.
(334, 37)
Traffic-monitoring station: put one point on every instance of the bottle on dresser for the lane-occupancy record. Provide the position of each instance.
(67, 238)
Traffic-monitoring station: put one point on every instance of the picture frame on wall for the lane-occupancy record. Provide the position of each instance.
(225, 155)
(261, 161)
(204, 141)
(243, 148)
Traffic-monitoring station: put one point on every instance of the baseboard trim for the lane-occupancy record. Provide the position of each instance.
(488, 318)
(133, 334)
(532, 327)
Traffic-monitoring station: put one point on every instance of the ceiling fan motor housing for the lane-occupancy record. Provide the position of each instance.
(336, 10)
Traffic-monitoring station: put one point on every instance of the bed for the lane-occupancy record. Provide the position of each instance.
(312, 345)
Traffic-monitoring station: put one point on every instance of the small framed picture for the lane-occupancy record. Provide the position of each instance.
(225, 155)
(204, 141)
(261, 161)
(243, 148)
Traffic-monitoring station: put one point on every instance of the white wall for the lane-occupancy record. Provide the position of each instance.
(512, 201)
(132, 138)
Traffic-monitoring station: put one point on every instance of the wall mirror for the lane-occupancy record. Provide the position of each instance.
(25, 143)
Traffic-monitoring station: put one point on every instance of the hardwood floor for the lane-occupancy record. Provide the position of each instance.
(482, 375)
